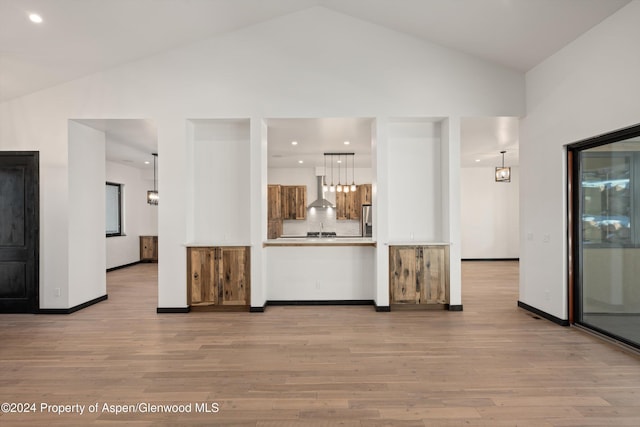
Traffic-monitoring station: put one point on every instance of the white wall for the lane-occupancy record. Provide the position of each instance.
(490, 214)
(588, 88)
(139, 217)
(266, 70)
(221, 182)
(415, 181)
(87, 248)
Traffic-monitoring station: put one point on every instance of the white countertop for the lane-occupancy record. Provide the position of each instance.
(324, 241)
(216, 244)
(416, 243)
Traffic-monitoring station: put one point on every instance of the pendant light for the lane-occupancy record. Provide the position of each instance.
(503, 174)
(339, 186)
(332, 188)
(152, 195)
(353, 173)
(325, 187)
(346, 187)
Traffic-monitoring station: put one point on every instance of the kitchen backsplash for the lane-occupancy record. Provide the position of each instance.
(326, 217)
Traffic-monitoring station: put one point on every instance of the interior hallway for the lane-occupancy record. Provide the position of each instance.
(491, 365)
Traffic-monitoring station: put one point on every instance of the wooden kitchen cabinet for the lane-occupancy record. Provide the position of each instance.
(364, 192)
(294, 201)
(419, 274)
(274, 202)
(274, 211)
(218, 276)
(149, 248)
(349, 205)
(274, 228)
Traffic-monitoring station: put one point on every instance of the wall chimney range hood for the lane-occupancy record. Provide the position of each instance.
(320, 201)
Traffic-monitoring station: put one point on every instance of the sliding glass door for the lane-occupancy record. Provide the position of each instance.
(605, 201)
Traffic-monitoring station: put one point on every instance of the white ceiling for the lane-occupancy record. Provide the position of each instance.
(315, 137)
(129, 142)
(482, 139)
(78, 38)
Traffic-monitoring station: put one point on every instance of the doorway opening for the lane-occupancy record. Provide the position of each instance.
(114, 190)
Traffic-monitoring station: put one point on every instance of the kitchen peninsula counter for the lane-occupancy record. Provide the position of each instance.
(320, 269)
(323, 241)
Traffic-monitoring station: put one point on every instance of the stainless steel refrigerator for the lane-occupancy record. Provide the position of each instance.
(366, 221)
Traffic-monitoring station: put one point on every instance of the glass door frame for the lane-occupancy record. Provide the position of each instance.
(574, 224)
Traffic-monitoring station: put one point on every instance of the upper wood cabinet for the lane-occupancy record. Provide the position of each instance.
(274, 202)
(349, 205)
(419, 274)
(294, 201)
(364, 190)
(218, 276)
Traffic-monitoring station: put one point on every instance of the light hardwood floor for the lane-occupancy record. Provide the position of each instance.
(491, 365)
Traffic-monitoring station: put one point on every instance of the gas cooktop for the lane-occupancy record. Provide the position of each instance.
(324, 234)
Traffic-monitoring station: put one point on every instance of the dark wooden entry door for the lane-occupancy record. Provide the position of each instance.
(19, 235)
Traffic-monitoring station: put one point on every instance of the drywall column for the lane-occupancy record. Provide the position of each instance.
(87, 246)
(380, 197)
(258, 185)
(451, 223)
(172, 214)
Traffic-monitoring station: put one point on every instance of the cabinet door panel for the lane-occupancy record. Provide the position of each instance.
(404, 280)
(353, 205)
(301, 202)
(364, 191)
(233, 277)
(148, 248)
(274, 202)
(274, 228)
(202, 277)
(341, 206)
(432, 266)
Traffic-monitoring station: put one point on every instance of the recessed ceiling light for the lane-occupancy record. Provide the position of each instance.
(339, 161)
(147, 162)
(294, 142)
(301, 161)
(347, 143)
(477, 160)
(34, 17)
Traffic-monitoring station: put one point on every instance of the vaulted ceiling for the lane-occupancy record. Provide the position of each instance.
(81, 37)
(78, 38)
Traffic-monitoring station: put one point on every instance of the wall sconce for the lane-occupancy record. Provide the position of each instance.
(503, 174)
(152, 195)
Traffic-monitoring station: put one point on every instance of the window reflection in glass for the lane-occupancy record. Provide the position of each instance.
(606, 187)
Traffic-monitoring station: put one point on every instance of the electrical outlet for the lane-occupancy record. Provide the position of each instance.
(547, 295)
(530, 236)
(317, 284)
(57, 292)
(546, 238)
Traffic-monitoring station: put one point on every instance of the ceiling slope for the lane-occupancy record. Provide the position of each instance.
(78, 38)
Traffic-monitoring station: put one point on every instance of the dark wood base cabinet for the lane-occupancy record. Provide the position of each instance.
(149, 248)
(218, 277)
(419, 275)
